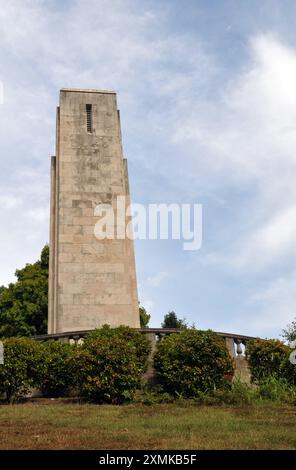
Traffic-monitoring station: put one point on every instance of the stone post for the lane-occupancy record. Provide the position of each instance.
(149, 375)
(230, 346)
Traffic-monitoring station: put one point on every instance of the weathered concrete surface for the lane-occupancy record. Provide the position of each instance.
(91, 281)
(242, 370)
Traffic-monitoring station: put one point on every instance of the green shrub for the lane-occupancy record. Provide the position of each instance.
(156, 395)
(110, 364)
(21, 363)
(276, 389)
(57, 370)
(266, 358)
(134, 338)
(192, 361)
(288, 370)
(238, 394)
(270, 389)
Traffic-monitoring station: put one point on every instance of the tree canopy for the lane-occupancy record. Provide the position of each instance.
(24, 304)
(172, 321)
(144, 317)
(290, 332)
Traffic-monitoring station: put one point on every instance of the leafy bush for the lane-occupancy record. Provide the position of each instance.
(270, 389)
(288, 370)
(155, 395)
(111, 362)
(137, 340)
(238, 394)
(57, 370)
(267, 358)
(21, 363)
(241, 394)
(192, 361)
(276, 389)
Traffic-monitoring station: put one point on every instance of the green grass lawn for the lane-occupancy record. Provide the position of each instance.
(58, 425)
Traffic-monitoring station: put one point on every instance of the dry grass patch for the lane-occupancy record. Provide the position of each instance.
(59, 425)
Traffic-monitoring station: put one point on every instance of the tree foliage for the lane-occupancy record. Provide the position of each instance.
(289, 333)
(144, 317)
(24, 304)
(172, 321)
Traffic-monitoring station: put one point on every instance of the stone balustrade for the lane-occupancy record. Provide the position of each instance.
(235, 343)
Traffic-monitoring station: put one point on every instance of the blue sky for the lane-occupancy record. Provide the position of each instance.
(207, 96)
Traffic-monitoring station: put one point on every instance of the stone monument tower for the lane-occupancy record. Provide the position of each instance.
(91, 281)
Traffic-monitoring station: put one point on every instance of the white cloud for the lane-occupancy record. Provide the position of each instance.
(39, 214)
(248, 139)
(271, 242)
(274, 306)
(148, 304)
(8, 202)
(247, 130)
(157, 279)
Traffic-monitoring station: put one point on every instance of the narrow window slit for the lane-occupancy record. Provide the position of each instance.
(88, 118)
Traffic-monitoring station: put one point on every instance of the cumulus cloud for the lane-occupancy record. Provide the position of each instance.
(247, 131)
(250, 141)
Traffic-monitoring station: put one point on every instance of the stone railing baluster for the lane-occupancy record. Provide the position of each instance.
(239, 350)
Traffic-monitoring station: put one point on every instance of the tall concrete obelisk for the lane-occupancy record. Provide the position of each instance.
(91, 281)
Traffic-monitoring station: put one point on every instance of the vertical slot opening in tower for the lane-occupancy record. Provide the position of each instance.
(89, 118)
